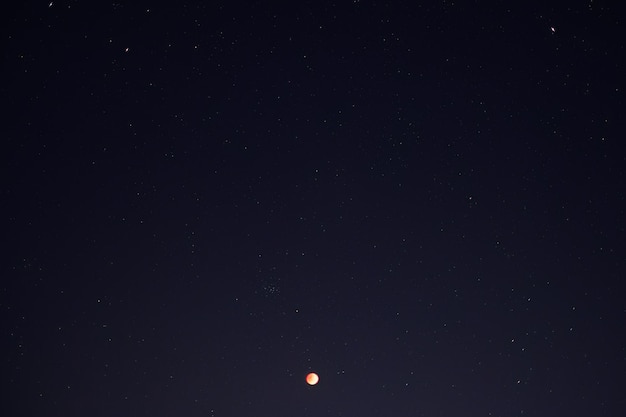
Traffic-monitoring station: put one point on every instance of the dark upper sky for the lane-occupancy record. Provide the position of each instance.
(204, 201)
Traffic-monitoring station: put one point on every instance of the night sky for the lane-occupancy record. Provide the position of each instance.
(423, 202)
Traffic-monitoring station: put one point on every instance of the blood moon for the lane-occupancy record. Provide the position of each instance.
(312, 378)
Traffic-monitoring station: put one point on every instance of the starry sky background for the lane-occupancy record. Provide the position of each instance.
(423, 202)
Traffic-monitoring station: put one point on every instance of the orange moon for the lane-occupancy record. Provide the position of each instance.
(312, 378)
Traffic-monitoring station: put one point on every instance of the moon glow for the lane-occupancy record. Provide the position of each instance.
(312, 378)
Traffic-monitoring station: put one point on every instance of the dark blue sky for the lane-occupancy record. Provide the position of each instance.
(204, 201)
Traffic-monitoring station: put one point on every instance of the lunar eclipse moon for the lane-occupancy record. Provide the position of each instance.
(312, 378)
